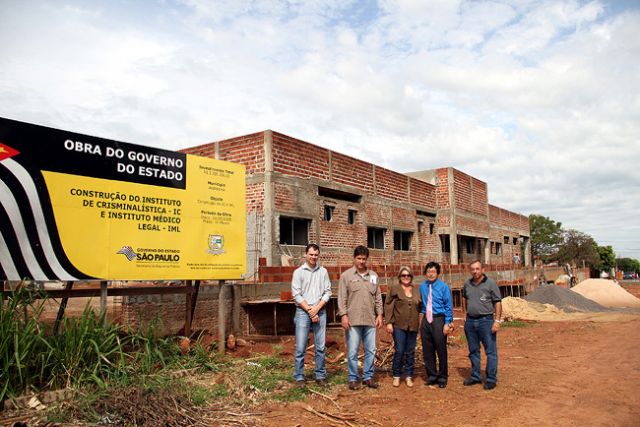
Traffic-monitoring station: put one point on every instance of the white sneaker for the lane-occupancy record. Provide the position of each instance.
(409, 381)
(396, 381)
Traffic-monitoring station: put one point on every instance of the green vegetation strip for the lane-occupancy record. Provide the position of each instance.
(128, 377)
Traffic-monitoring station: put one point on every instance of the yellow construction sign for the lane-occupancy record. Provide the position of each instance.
(81, 207)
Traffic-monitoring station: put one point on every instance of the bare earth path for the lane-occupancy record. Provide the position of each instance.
(578, 373)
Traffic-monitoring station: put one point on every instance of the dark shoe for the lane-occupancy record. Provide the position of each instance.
(431, 382)
(370, 383)
(353, 385)
(489, 386)
(322, 382)
(301, 383)
(471, 381)
(442, 385)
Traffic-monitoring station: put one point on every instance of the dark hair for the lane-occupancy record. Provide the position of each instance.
(312, 246)
(361, 250)
(432, 264)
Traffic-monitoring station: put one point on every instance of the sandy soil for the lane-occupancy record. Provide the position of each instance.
(571, 373)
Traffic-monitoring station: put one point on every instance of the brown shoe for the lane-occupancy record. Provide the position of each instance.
(322, 382)
(301, 383)
(370, 383)
(353, 385)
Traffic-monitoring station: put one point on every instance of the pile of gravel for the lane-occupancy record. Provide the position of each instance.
(564, 299)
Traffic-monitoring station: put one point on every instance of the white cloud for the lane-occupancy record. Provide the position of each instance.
(537, 98)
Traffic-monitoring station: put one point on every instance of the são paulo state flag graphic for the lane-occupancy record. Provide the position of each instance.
(6, 151)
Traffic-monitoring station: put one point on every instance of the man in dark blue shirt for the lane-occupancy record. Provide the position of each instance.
(437, 323)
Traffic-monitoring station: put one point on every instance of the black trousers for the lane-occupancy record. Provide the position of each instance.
(434, 342)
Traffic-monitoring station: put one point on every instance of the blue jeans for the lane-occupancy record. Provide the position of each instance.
(404, 344)
(479, 331)
(303, 326)
(356, 334)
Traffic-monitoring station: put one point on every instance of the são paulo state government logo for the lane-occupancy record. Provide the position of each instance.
(216, 244)
(128, 252)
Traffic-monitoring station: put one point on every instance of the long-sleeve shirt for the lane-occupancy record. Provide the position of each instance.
(401, 311)
(359, 297)
(310, 285)
(441, 301)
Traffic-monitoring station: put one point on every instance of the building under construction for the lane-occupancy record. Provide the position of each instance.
(298, 192)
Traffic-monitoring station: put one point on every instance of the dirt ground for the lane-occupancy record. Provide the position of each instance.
(569, 373)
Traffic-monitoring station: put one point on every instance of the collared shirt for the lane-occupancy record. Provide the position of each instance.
(359, 297)
(441, 301)
(310, 285)
(401, 311)
(481, 297)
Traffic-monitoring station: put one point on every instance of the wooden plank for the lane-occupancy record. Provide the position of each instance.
(222, 320)
(113, 292)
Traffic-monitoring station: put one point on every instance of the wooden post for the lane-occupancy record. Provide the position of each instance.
(63, 306)
(222, 320)
(188, 309)
(191, 299)
(103, 301)
(194, 298)
(236, 309)
(275, 319)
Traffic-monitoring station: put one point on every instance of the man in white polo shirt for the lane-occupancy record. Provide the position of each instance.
(311, 290)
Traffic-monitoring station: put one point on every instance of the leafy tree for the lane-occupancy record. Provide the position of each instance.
(628, 265)
(607, 258)
(580, 249)
(546, 236)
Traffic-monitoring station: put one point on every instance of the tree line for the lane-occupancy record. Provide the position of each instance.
(550, 242)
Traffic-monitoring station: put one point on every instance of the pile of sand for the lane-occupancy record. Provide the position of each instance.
(517, 308)
(563, 298)
(606, 292)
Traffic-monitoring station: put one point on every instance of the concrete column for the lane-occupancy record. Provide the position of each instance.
(453, 227)
(487, 251)
(453, 246)
(526, 256)
(268, 247)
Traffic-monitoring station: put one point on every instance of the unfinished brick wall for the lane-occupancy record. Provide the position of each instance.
(377, 214)
(298, 158)
(353, 172)
(403, 218)
(248, 150)
(389, 200)
(422, 193)
(285, 198)
(254, 197)
(168, 311)
(338, 233)
(472, 226)
(442, 189)
(428, 242)
(510, 225)
(391, 185)
(470, 193)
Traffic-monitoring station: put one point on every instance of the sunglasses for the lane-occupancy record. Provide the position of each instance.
(406, 275)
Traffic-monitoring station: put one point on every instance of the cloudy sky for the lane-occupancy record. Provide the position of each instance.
(540, 99)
